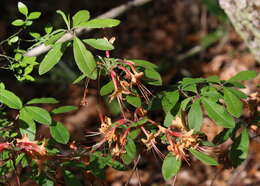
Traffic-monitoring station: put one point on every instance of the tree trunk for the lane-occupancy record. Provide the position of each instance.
(245, 16)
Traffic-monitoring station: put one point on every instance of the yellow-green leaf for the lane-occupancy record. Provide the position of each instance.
(52, 58)
(84, 59)
(80, 16)
(170, 167)
(100, 23)
(234, 105)
(59, 133)
(22, 8)
(100, 44)
(39, 114)
(10, 99)
(218, 113)
(203, 157)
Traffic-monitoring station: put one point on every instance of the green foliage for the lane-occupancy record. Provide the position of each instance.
(80, 17)
(135, 101)
(127, 93)
(170, 167)
(244, 75)
(203, 157)
(107, 88)
(59, 132)
(64, 109)
(38, 114)
(100, 44)
(10, 99)
(153, 77)
(239, 149)
(218, 113)
(84, 59)
(27, 125)
(234, 105)
(195, 116)
(100, 23)
(130, 151)
(42, 101)
(169, 100)
(52, 58)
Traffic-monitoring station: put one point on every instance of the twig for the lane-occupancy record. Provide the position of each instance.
(235, 176)
(133, 170)
(38, 50)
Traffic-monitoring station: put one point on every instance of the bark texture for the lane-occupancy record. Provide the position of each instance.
(245, 16)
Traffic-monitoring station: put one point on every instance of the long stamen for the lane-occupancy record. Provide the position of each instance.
(143, 92)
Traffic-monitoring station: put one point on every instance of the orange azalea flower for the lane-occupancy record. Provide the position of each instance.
(31, 147)
(4, 146)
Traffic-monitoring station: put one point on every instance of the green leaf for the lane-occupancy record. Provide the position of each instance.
(18, 22)
(203, 157)
(100, 23)
(238, 93)
(211, 93)
(13, 40)
(28, 23)
(135, 101)
(190, 88)
(139, 122)
(195, 116)
(223, 136)
(144, 63)
(64, 18)
(170, 167)
(48, 29)
(80, 16)
(2, 85)
(116, 165)
(10, 99)
(190, 81)
(235, 84)
(168, 119)
(107, 88)
(152, 77)
(240, 148)
(134, 133)
(35, 35)
(80, 78)
(54, 38)
(244, 144)
(52, 58)
(43, 100)
(64, 109)
(59, 133)
(185, 103)
(26, 125)
(34, 15)
(244, 75)
(234, 105)
(213, 79)
(218, 113)
(22, 8)
(211, 38)
(100, 44)
(169, 100)
(43, 181)
(71, 179)
(84, 59)
(130, 151)
(39, 114)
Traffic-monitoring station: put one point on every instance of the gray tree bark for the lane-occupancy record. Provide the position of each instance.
(245, 17)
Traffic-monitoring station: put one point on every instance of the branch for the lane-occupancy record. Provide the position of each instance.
(245, 17)
(38, 50)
